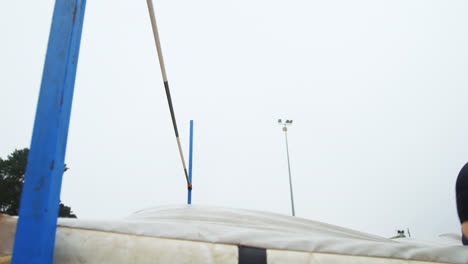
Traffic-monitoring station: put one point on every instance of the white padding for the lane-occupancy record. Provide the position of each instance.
(87, 246)
(285, 256)
(272, 231)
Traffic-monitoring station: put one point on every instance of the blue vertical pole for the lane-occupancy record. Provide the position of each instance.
(189, 199)
(40, 199)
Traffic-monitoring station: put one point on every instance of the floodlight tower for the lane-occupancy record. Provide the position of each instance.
(285, 125)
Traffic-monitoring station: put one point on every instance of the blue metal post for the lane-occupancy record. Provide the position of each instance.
(40, 199)
(189, 200)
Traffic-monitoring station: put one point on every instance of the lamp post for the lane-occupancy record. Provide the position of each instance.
(285, 125)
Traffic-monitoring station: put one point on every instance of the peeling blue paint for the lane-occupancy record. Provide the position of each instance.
(40, 199)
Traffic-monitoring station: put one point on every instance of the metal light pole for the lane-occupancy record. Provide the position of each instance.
(285, 129)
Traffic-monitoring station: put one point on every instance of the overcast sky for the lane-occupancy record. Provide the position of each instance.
(377, 91)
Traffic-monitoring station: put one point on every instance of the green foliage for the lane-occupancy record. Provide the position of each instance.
(65, 211)
(12, 172)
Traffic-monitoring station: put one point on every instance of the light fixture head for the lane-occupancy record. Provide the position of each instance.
(279, 121)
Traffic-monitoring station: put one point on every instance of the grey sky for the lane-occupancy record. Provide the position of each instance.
(376, 89)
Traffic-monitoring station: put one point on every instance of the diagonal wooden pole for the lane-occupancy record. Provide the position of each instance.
(166, 86)
(40, 199)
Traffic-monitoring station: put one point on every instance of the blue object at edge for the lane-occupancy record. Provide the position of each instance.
(40, 199)
(189, 199)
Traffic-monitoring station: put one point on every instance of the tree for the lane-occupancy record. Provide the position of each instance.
(12, 172)
(65, 211)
